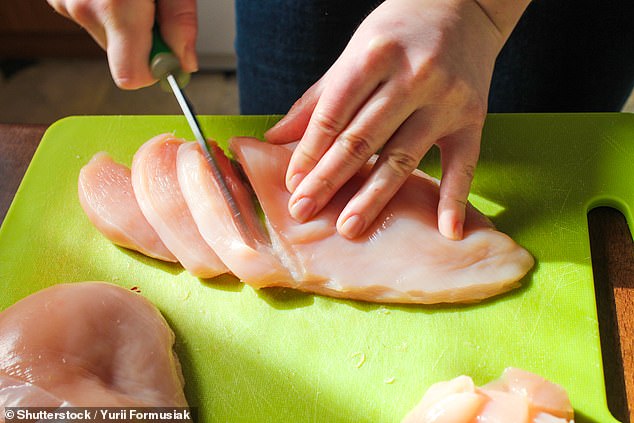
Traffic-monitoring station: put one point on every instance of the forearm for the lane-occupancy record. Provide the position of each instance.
(504, 14)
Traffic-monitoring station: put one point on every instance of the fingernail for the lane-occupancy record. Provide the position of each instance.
(302, 209)
(294, 181)
(456, 231)
(449, 227)
(190, 59)
(352, 226)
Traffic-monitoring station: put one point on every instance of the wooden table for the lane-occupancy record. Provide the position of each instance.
(612, 251)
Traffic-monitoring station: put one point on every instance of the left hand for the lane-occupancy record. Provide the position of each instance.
(415, 73)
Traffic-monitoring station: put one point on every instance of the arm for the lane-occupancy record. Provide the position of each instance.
(124, 30)
(415, 73)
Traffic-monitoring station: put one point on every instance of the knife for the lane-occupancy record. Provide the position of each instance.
(165, 66)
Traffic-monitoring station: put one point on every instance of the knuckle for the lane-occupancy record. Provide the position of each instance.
(356, 146)
(325, 185)
(186, 18)
(382, 47)
(454, 201)
(476, 112)
(327, 124)
(426, 69)
(468, 170)
(81, 11)
(453, 87)
(306, 155)
(450, 198)
(401, 162)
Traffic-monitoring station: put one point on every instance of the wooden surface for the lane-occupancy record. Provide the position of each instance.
(31, 29)
(612, 258)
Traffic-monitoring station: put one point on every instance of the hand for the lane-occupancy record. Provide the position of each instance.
(415, 73)
(124, 30)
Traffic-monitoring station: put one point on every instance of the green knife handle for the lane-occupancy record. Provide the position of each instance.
(163, 62)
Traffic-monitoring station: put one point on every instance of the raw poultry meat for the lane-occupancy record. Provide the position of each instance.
(401, 259)
(87, 344)
(105, 194)
(252, 260)
(158, 192)
(517, 397)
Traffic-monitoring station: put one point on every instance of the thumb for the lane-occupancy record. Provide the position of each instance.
(128, 33)
(178, 20)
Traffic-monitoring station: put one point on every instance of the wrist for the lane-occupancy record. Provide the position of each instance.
(503, 14)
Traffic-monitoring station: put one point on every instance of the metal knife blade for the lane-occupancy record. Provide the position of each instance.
(187, 109)
(166, 67)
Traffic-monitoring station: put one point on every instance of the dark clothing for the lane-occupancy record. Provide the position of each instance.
(563, 56)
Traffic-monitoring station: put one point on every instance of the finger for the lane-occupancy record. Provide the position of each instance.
(397, 160)
(459, 156)
(179, 27)
(375, 123)
(59, 7)
(84, 13)
(292, 126)
(129, 40)
(128, 53)
(347, 87)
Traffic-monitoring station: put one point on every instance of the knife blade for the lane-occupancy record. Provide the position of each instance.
(165, 66)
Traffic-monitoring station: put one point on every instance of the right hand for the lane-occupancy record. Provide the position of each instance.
(124, 29)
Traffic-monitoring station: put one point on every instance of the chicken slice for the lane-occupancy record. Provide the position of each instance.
(252, 260)
(504, 407)
(155, 184)
(87, 344)
(517, 397)
(402, 258)
(454, 401)
(106, 195)
(545, 396)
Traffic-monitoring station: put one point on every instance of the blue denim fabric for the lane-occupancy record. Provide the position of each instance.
(564, 55)
(284, 46)
(567, 56)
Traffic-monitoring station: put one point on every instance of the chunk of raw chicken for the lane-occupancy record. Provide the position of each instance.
(156, 187)
(106, 195)
(251, 260)
(87, 344)
(402, 258)
(517, 397)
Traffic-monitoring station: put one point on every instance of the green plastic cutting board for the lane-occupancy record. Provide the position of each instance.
(279, 355)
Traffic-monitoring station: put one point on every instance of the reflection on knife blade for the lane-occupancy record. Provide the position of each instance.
(245, 231)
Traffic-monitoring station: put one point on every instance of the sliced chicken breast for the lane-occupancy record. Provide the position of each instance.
(156, 187)
(251, 259)
(106, 195)
(517, 397)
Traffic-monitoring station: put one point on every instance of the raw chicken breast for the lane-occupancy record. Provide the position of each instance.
(402, 258)
(106, 195)
(517, 397)
(544, 395)
(87, 344)
(158, 193)
(455, 401)
(251, 260)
